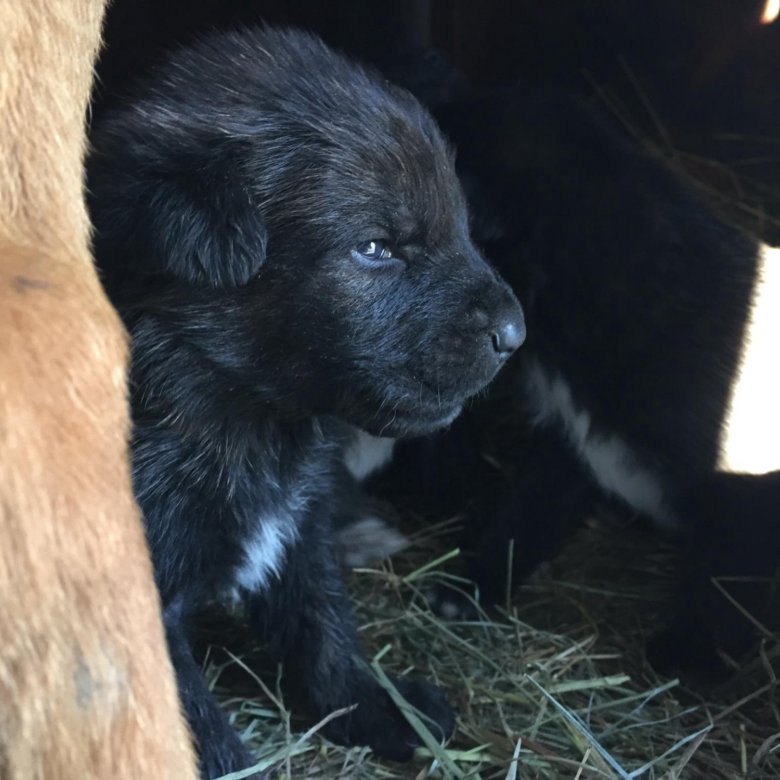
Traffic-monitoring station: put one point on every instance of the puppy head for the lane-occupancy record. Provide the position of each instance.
(317, 210)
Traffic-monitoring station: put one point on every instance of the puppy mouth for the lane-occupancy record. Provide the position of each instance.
(408, 405)
(406, 423)
(416, 414)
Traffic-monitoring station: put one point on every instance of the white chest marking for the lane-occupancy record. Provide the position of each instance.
(750, 439)
(614, 465)
(367, 454)
(265, 553)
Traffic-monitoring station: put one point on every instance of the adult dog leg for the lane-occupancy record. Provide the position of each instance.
(86, 687)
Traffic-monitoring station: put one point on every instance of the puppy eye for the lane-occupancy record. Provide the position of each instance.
(376, 253)
(374, 250)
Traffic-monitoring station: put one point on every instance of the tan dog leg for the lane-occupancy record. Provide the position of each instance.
(86, 687)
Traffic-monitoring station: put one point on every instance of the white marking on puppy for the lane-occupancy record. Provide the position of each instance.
(750, 438)
(368, 540)
(265, 552)
(449, 610)
(366, 453)
(615, 466)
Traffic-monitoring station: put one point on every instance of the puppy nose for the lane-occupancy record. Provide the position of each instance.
(508, 334)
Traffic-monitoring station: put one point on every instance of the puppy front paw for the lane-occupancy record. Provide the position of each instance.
(451, 603)
(689, 651)
(369, 539)
(378, 723)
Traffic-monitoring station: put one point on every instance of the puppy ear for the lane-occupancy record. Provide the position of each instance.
(186, 212)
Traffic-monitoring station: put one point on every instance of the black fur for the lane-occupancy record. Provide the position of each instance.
(229, 194)
(730, 547)
(636, 295)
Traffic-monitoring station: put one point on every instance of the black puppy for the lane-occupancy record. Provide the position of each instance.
(644, 309)
(287, 241)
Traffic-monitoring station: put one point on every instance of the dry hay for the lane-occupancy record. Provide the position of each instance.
(555, 687)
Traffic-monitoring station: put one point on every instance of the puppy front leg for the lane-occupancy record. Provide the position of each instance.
(535, 512)
(220, 751)
(515, 524)
(308, 621)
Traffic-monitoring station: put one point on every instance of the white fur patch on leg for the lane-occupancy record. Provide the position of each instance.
(367, 541)
(367, 454)
(613, 463)
(750, 439)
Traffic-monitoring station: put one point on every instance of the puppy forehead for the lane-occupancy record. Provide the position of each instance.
(408, 189)
(321, 138)
(387, 159)
(400, 209)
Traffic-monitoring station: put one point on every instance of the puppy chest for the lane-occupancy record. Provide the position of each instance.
(293, 476)
(264, 550)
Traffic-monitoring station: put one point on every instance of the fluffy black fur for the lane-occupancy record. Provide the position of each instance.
(636, 296)
(231, 195)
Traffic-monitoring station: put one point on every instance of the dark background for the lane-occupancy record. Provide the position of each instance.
(698, 79)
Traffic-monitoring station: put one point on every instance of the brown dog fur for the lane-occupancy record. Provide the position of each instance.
(86, 687)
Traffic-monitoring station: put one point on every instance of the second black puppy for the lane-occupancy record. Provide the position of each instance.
(651, 358)
(287, 241)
